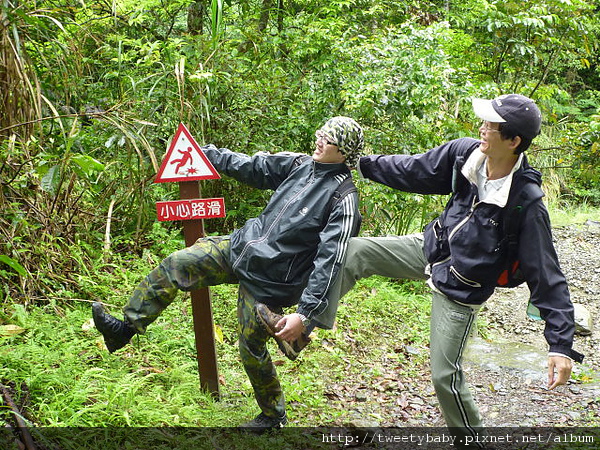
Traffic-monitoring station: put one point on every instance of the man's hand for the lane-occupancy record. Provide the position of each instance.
(563, 366)
(290, 326)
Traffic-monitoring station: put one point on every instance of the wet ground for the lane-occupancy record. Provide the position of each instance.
(509, 382)
(507, 362)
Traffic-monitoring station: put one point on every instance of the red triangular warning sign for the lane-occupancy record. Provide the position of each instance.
(185, 161)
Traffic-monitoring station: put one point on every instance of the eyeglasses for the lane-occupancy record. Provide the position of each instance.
(485, 127)
(323, 137)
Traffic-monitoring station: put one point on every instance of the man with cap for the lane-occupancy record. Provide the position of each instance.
(289, 255)
(462, 253)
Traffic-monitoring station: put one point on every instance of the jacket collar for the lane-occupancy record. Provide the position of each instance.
(469, 170)
(325, 168)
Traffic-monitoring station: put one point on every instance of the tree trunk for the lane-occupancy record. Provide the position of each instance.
(196, 14)
(280, 16)
(264, 15)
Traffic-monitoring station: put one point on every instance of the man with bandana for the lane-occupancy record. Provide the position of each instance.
(289, 255)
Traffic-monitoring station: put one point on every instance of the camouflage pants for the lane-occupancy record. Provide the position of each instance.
(207, 263)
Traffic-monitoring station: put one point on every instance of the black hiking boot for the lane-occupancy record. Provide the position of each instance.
(263, 423)
(117, 333)
(269, 320)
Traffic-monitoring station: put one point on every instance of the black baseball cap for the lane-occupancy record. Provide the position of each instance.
(517, 110)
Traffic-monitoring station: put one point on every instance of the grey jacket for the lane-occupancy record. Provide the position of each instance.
(292, 252)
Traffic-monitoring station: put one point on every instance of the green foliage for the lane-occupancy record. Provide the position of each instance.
(107, 84)
(14, 265)
(59, 362)
(92, 93)
(567, 152)
(526, 41)
(382, 299)
(388, 211)
(582, 145)
(391, 84)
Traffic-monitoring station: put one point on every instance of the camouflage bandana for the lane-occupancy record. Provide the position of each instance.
(347, 135)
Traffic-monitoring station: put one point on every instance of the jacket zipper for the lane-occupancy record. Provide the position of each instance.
(465, 220)
(455, 229)
(283, 210)
(456, 273)
(287, 275)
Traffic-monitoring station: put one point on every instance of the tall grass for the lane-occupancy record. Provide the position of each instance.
(61, 369)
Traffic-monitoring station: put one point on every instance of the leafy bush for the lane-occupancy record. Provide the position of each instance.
(96, 90)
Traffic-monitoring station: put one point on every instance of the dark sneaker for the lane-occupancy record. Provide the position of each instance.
(269, 320)
(262, 423)
(117, 333)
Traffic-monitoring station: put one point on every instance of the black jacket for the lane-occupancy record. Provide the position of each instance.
(291, 253)
(464, 246)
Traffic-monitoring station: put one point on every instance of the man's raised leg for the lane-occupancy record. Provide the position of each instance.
(205, 263)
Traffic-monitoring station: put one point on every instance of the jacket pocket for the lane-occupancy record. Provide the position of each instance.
(435, 243)
(289, 274)
(437, 229)
(463, 279)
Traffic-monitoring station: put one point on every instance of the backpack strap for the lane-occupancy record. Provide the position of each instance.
(456, 175)
(346, 187)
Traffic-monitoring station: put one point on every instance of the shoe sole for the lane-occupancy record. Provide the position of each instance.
(265, 324)
(283, 345)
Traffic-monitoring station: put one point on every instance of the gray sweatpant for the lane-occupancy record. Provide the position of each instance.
(403, 257)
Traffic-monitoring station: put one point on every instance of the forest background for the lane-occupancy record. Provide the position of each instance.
(92, 92)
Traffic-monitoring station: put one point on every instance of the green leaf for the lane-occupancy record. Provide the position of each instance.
(13, 264)
(51, 179)
(11, 330)
(88, 164)
(219, 334)
(216, 17)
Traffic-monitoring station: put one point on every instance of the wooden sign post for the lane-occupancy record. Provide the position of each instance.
(186, 163)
